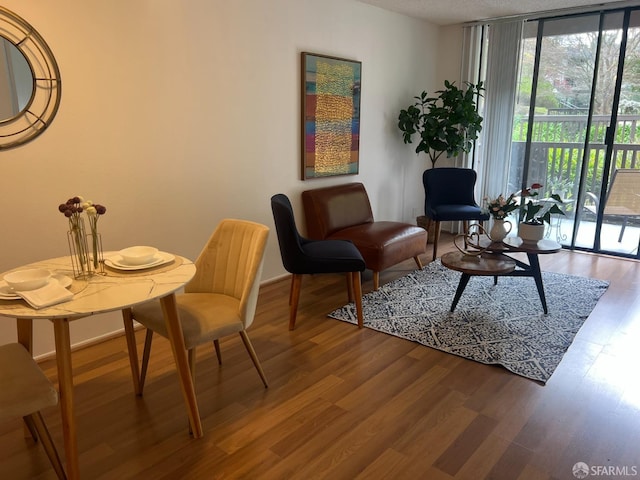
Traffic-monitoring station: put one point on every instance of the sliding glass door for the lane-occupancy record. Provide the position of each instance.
(576, 126)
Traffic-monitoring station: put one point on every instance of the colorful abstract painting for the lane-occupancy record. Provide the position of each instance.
(330, 116)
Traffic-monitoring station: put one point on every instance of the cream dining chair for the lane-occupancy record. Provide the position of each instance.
(25, 392)
(219, 300)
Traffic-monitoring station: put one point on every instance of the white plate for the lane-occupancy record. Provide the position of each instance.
(7, 293)
(120, 262)
(115, 261)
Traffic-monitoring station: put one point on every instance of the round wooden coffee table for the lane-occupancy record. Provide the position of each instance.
(486, 264)
(464, 263)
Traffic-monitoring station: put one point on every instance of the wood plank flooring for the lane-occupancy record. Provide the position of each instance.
(345, 403)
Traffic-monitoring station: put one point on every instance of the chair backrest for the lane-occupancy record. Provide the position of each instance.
(231, 264)
(334, 208)
(449, 186)
(623, 197)
(289, 240)
(25, 388)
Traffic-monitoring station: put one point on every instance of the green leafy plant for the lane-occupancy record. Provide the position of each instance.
(535, 211)
(447, 123)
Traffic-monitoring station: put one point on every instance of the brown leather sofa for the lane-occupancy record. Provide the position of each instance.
(343, 212)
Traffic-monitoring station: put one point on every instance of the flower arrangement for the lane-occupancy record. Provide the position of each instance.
(536, 213)
(499, 208)
(73, 209)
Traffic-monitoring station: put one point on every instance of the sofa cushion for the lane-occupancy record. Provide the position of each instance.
(343, 212)
(383, 244)
(455, 212)
(331, 209)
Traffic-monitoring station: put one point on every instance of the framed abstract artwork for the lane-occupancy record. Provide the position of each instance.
(330, 116)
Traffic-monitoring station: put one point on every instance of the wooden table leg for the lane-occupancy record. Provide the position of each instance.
(533, 270)
(174, 330)
(25, 338)
(534, 264)
(65, 386)
(129, 333)
(464, 279)
(357, 293)
(25, 333)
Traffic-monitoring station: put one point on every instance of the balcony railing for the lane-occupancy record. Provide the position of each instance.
(557, 150)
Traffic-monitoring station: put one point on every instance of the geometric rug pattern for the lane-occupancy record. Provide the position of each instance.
(493, 324)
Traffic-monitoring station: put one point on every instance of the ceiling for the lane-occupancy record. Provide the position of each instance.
(449, 12)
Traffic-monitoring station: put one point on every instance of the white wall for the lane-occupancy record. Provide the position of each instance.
(178, 114)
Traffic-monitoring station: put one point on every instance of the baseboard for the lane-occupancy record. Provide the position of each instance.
(89, 342)
(120, 332)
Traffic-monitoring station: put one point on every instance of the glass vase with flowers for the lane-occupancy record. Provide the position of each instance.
(85, 261)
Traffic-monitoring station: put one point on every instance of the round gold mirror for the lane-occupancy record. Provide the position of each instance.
(30, 86)
(16, 81)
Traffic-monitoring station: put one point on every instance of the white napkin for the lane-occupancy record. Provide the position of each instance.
(51, 294)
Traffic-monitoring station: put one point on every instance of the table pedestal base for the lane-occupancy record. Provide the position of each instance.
(495, 265)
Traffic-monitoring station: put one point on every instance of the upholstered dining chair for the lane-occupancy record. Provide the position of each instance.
(219, 300)
(301, 256)
(25, 392)
(449, 196)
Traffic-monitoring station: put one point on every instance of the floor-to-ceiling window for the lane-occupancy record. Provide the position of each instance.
(576, 123)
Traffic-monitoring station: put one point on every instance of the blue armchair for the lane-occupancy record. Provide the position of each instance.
(449, 196)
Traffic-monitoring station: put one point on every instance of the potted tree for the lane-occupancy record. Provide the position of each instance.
(447, 123)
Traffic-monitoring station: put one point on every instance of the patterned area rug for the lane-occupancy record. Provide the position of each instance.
(493, 324)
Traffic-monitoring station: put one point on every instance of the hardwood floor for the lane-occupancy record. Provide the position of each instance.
(345, 403)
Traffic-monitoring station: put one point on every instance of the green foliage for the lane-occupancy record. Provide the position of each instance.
(564, 86)
(559, 145)
(573, 130)
(537, 214)
(447, 123)
(546, 96)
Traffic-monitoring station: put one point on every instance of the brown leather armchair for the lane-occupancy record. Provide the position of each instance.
(343, 212)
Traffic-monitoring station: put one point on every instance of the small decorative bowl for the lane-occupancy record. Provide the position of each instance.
(30, 279)
(138, 255)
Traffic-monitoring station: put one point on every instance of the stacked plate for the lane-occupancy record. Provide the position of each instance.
(138, 258)
(7, 293)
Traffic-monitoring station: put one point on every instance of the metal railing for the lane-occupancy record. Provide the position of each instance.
(557, 149)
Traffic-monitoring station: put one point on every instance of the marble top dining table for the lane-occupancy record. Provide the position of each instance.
(109, 291)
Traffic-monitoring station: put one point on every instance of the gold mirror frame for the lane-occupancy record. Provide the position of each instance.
(39, 112)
